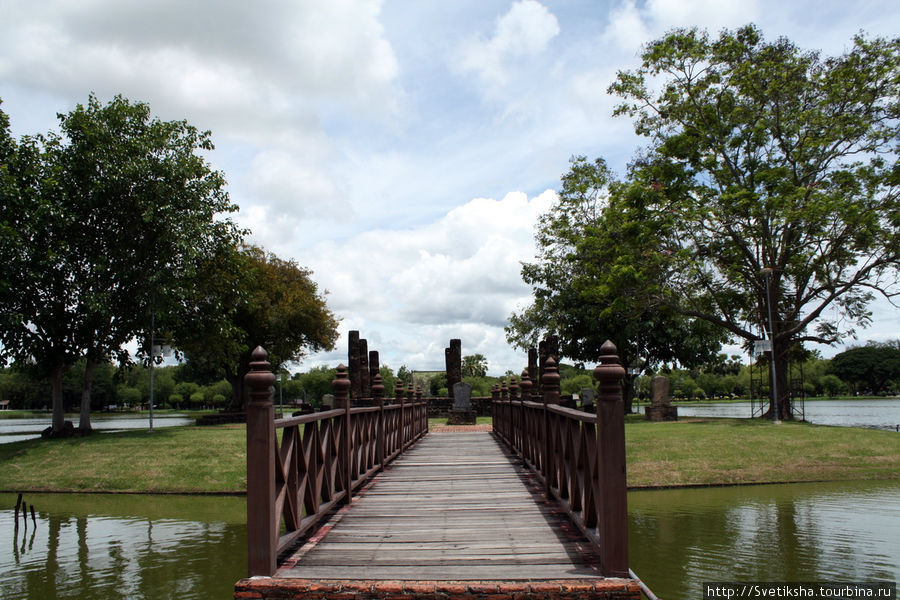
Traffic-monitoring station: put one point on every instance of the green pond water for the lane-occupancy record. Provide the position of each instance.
(156, 547)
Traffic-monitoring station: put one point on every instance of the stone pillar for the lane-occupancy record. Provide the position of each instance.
(462, 413)
(587, 399)
(365, 388)
(533, 373)
(353, 362)
(374, 368)
(660, 409)
(453, 359)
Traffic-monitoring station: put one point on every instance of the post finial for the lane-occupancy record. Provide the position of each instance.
(260, 379)
(609, 372)
(550, 381)
(341, 386)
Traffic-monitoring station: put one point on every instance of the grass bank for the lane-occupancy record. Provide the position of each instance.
(696, 452)
(733, 451)
(171, 459)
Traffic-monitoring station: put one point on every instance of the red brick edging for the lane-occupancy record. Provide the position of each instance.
(266, 588)
(459, 428)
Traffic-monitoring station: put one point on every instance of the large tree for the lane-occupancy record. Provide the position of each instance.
(596, 273)
(774, 179)
(37, 323)
(121, 216)
(869, 368)
(274, 304)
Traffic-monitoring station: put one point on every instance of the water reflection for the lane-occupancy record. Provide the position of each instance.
(124, 547)
(155, 547)
(798, 532)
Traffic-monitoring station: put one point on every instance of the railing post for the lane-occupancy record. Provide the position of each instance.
(341, 386)
(613, 508)
(550, 389)
(262, 522)
(378, 399)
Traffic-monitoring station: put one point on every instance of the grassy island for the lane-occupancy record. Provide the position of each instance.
(688, 452)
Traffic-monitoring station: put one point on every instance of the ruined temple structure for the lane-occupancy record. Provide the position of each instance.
(660, 409)
(453, 363)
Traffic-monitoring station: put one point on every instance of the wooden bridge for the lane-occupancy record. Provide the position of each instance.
(364, 502)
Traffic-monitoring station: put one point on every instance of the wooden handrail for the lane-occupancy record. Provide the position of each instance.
(578, 456)
(321, 460)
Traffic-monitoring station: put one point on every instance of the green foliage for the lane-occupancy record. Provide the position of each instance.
(388, 380)
(869, 368)
(574, 385)
(103, 228)
(128, 396)
(316, 383)
(475, 365)
(596, 276)
(833, 386)
(481, 386)
(404, 374)
(768, 168)
(274, 303)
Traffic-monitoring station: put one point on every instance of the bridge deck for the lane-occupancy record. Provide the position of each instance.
(456, 507)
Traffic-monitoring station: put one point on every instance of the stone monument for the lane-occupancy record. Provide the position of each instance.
(660, 409)
(587, 400)
(462, 412)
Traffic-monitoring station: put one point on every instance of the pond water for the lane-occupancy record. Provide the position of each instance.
(815, 532)
(16, 429)
(123, 546)
(155, 547)
(875, 413)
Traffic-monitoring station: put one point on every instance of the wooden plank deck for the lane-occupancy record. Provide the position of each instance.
(455, 507)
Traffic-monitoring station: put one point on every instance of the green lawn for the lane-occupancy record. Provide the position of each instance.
(689, 452)
(171, 459)
(730, 451)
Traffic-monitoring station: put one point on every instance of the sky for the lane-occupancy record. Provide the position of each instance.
(402, 150)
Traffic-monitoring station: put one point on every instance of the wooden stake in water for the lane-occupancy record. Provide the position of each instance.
(18, 506)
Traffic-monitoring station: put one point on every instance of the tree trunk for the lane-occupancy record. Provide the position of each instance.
(628, 393)
(237, 391)
(59, 414)
(84, 422)
(783, 393)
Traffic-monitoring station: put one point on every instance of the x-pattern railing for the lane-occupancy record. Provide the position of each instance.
(579, 456)
(320, 460)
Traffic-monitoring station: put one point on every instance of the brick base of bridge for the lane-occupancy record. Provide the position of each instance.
(272, 588)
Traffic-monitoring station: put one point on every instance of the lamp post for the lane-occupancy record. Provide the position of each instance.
(773, 386)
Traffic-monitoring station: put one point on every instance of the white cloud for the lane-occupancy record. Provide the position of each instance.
(522, 33)
(227, 64)
(458, 276)
(631, 26)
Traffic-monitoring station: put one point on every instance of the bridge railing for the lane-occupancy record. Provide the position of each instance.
(294, 479)
(578, 456)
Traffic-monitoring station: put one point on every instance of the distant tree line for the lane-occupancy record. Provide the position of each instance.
(873, 369)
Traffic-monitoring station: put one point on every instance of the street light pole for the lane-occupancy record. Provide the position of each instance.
(773, 386)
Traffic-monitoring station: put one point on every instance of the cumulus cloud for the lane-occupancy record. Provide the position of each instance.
(523, 32)
(630, 26)
(458, 276)
(263, 62)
